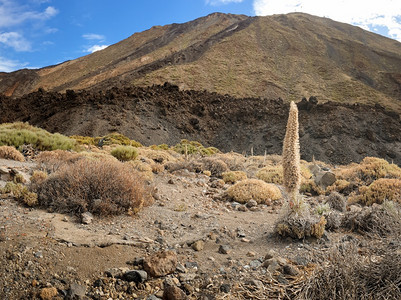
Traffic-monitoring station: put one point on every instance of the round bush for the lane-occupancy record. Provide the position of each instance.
(255, 189)
(124, 153)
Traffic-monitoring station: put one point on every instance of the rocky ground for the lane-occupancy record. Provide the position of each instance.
(188, 245)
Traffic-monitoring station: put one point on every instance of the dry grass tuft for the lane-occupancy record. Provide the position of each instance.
(103, 187)
(377, 219)
(255, 189)
(345, 274)
(336, 201)
(9, 152)
(233, 176)
(300, 224)
(145, 169)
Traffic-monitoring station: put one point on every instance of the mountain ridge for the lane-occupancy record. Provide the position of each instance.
(287, 56)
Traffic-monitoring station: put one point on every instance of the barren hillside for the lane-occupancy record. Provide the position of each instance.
(287, 56)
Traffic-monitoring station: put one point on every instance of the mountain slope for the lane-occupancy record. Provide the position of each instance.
(285, 56)
(332, 132)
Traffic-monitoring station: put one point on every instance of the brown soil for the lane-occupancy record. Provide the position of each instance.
(331, 132)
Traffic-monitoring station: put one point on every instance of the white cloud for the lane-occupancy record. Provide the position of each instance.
(12, 14)
(93, 36)
(15, 40)
(95, 48)
(8, 65)
(366, 14)
(222, 2)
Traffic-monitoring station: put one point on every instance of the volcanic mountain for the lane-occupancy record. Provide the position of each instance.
(287, 56)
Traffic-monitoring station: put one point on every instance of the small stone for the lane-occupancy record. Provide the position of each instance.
(225, 288)
(251, 254)
(170, 181)
(153, 297)
(48, 293)
(254, 264)
(174, 293)
(86, 218)
(34, 283)
(191, 265)
(198, 245)
(251, 203)
(245, 240)
(290, 270)
(256, 283)
(38, 254)
(188, 277)
(180, 268)
(224, 249)
(242, 208)
(270, 254)
(77, 291)
(137, 276)
(160, 263)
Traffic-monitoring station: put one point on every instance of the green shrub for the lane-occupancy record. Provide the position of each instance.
(84, 140)
(18, 134)
(9, 152)
(124, 153)
(102, 187)
(192, 147)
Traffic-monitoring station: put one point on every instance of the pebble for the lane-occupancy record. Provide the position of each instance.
(137, 276)
(224, 249)
(251, 203)
(198, 245)
(38, 254)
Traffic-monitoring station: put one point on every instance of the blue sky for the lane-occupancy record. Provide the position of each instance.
(38, 33)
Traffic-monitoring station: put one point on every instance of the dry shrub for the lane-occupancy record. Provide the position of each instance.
(51, 161)
(271, 174)
(9, 152)
(340, 185)
(19, 178)
(21, 193)
(299, 223)
(175, 166)
(216, 166)
(102, 187)
(376, 219)
(124, 153)
(369, 170)
(158, 156)
(233, 176)
(274, 174)
(255, 189)
(234, 161)
(334, 220)
(38, 177)
(144, 168)
(336, 201)
(379, 191)
(310, 186)
(344, 274)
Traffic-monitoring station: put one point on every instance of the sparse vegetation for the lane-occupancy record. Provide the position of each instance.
(255, 189)
(18, 134)
(102, 187)
(21, 193)
(9, 152)
(192, 147)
